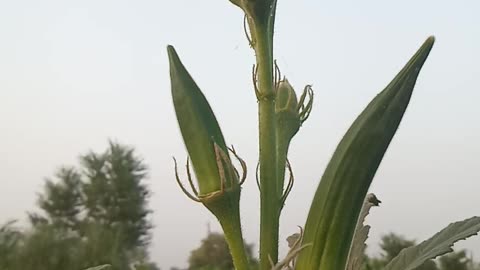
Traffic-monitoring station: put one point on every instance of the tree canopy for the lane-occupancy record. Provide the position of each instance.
(213, 254)
(93, 214)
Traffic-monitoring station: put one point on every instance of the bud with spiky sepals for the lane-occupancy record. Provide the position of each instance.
(290, 113)
(218, 181)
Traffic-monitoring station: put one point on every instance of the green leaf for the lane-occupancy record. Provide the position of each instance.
(439, 244)
(338, 200)
(357, 250)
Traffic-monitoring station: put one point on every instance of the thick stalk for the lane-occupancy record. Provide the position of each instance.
(269, 199)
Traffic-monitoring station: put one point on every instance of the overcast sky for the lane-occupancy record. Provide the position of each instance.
(75, 73)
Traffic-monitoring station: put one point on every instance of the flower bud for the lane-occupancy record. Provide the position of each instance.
(286, 110)
(289, 116)
(286, 97)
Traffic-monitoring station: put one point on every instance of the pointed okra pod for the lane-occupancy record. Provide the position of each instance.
(337, 203)
(200, 131)
(218, 181)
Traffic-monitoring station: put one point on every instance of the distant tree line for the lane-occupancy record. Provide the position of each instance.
(97, 213)
(93, 214)
(212, 254)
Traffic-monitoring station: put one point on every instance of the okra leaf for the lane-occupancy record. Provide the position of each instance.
(439, 244)
(357, 250)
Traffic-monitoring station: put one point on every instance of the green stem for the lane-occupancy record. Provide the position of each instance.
(269, 199)
(234, 238)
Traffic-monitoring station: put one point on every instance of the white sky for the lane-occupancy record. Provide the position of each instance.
(75, 73)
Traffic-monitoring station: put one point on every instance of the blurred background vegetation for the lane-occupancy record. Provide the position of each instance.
(93, 214)
(97, 213)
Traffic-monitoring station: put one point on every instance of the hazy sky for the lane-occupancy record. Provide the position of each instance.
(75, 73)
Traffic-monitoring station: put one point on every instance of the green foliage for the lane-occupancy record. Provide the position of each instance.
(94, 215)
(439, 244)
(336, 206)
(103, 246)
(46, 248)
(391, 245)
(455, 261)
(10, 237)
(115, 195)
(62, 200)
(213, 253)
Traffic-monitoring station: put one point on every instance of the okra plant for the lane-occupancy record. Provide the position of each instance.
(333, 235)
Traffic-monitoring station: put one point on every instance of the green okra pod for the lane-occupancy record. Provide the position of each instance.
(338, 200)
(218, 181)
(199, 127)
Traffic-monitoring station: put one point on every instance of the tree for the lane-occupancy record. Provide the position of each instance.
(103, 246)
(9, 239)
(213, 254)
(392, 244)
(61, 201)
(115, 195)
(455, 261)
(44, 248)
(96, 214)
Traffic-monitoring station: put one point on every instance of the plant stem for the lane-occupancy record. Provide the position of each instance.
(269, 199)
(233, 235)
